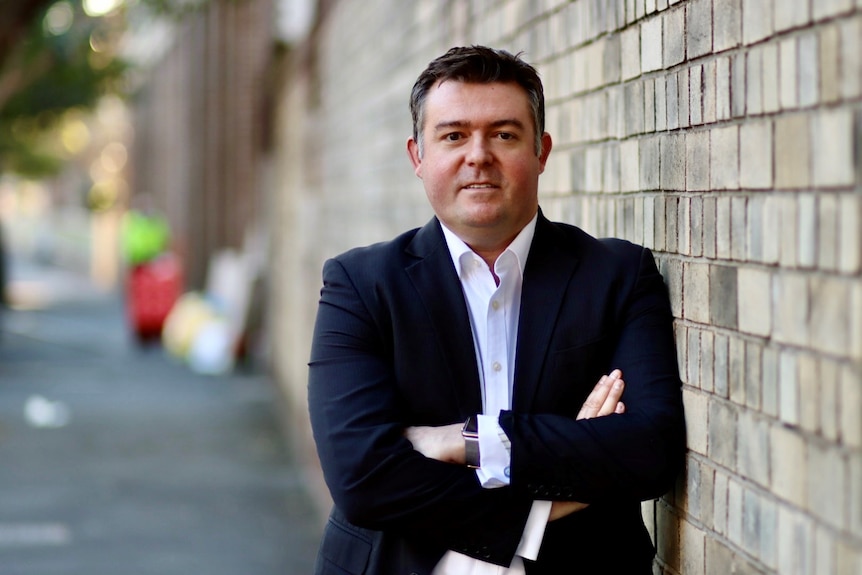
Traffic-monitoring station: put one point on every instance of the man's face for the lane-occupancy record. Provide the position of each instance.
(479, 164)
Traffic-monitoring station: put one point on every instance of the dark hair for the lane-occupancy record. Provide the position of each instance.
(480, 65)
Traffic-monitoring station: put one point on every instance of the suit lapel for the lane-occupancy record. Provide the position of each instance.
(439, 289)
(548, 273)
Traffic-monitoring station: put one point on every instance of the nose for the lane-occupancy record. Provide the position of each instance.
(479, 152)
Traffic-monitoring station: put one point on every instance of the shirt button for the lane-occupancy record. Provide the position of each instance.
(507, 472)
(495, 305)
(496, 366)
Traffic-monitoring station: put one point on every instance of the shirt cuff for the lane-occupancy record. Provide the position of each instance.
(494, 454)
(534, 530)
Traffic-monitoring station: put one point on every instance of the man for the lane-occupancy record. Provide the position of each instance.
(492, 315)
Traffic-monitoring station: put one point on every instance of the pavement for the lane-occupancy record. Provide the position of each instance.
(117, 459)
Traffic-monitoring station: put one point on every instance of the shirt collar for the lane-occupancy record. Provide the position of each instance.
(520, 246)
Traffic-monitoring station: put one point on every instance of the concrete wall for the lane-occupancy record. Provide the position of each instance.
(724, 135)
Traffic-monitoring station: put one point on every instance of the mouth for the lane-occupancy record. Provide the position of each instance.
(479, 186)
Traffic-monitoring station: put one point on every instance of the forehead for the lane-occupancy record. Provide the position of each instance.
(454, 101)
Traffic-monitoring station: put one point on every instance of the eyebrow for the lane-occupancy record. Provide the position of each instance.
(495, 124)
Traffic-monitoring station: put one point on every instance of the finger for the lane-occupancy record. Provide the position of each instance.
(621, 408)
(595, 400)
(616, 386)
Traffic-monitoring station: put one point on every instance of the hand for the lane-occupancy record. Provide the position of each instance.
(443, 443)
(605, 397)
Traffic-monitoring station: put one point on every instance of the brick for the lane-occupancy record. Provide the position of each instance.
(673, 160)
(698, 27)
(734, 512)
(854, 496)
(788, 388)
(696, 292)
(649, 222)
(611, 169)
(855, 319)
(660, 104)
(790, 314)
(768, 533)
(683, 228)
(722, 227)
(696, 221)
(751, 528)
(616, 112)
(807, 230)
(850, 234)
(827, 488)
(757, 22)
(709, 94)
(697, 156)
(754, 294)
(754, 82)
(721, 361)
(851, 58)
(827, 231)
(755, 155)
(809, 74)
(754, 239)
(649, 158)
(737, 85)
(709, 226)
(788, 458)
(788, 65)
(848, 559)
(673, 278)
(771, 82)
(684, 116)
(722, 89)
(630, 53)
(809, 392)
(660, 226)
(795, 543)
(681, 337)
(722, 433)
(830, 65)
(736, 370)
(720, 486)
(771, 230)
(633, 97)
(692, 550)
(828, 8)
(825, 552)
(727, 24)
(830, 381)
(651, 44)
(769, 374)
(707, 358)
(672, 98)
(629, 166)
(695, 95)
(753, 451)
(792, 141)
(674, 36)
(667, 536)
(696, 420)
(723, 298)
(791, 14)
(649, 106)
(719, 558)
(832, 148)
(738, 227)
(830, 324)
(724, 158)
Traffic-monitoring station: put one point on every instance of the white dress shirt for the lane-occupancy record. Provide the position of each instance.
(494, 311)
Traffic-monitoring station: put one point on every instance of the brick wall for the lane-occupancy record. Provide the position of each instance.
(724, 135)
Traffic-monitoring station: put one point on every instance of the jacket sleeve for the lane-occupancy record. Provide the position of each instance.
(630, 456)
(374, 475)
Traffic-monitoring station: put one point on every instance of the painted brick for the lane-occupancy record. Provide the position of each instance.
(649, 158)
(788, 219)
(754, 82)
(722, 227)
(734, 512)
(722, 433)
(809, 74)
(692, 542)
(672, 97)
(674, 36)
(754, 294)
(771, 230)
(722, 296)
(660, 86)
(850, 233)
(738, 236)
(719, 558)
(792, 137)
(788, 388)
(832, 147)
(611, 170)
(827, 8)
(673, 160)
(827, 231)
(791, 14)
(649, 223)
(827, 487)
(720, 486)
(788, 58)
(722, 88)
(709, 94)
(696, 418)
(649, 106)
(830, 64)
(807, 230)
(768, 533)
(633, 97)
(724, 158)
(695, 95)
(692, 368)
(855, 496)
(791, 304)
(697, 161)
(696, 292)
(698, 27)
(830, 381)
(593, 169)
(751, 528)
(737, 85)
(755, 155)
(754, 228)
(629, 166)
(668, 536)
(727, 24)
(824, 551)
(673, 278)
(696, 222)
(707, 359)
(830, 327)
(630, 52)
(651, 44)
(736, 370)
(809, 392)
(756, 20)
(855, 319)
(769, 373)
(616, 112)
(709, 226)
(851, 58)
(795, 543)
(771, 81)
(788, 458)
(660, 225)
(848, 560)
(683, 226)
(753, 451)
(684, 116)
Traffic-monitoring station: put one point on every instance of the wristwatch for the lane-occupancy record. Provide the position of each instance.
(470, 433)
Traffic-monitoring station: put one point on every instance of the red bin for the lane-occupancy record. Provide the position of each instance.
(152, 289)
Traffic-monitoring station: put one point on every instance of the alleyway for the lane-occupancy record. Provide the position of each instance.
(117, 460)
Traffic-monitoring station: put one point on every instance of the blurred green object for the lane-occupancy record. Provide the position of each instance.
(144, 237)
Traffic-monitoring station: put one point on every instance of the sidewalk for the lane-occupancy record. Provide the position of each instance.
(116, 459)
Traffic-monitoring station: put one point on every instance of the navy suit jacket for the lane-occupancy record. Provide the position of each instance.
(392, 348)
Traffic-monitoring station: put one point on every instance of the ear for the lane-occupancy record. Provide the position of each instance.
(547, 144)
(413, 152)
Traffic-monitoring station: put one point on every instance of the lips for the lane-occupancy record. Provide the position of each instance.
(479, 186)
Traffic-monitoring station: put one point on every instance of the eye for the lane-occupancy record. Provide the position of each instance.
(505, 136)
(452, 137)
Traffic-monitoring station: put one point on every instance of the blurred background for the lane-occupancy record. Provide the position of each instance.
(173, 174)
